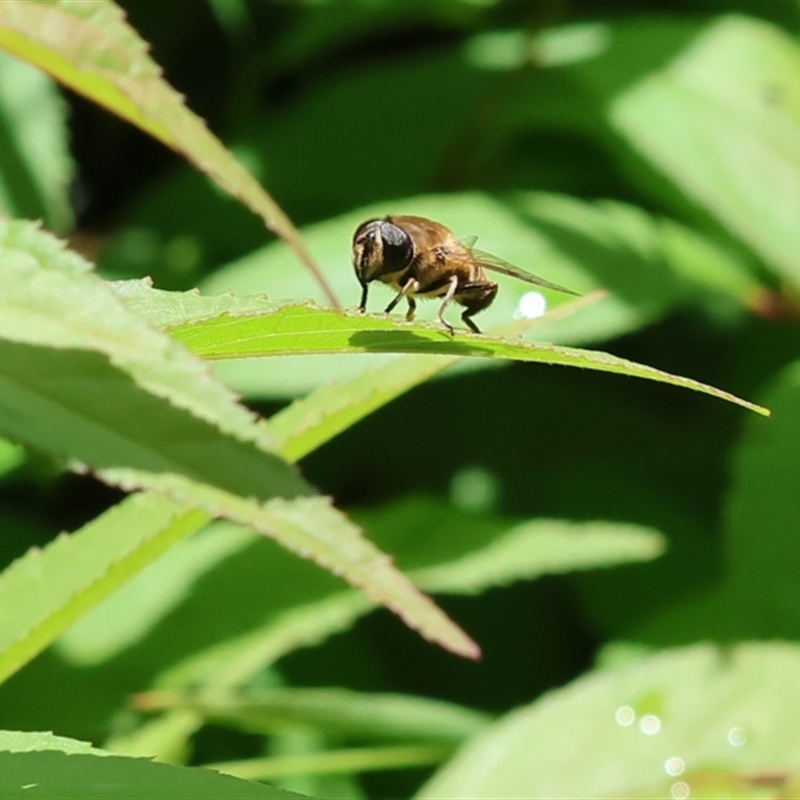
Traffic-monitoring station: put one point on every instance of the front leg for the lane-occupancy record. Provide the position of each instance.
(362, 306)
(410, 287)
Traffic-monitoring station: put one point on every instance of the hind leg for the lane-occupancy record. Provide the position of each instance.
(476, 297)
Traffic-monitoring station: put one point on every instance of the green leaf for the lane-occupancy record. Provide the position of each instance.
(651, 264)
(542, 547)
(647, 265)
(309, 422)
(758, 595)
(713, 783)
(739, 84)
(330, 762)
(361, 715)
(90, 48)
(762, 515)
(49, 589)
(486, 553)
(50, 773)
(166, 309)
(130, 613)
(134, 439)
(305, 607)
(240, 658)
(83, 377)
(35, 165)
(311, 528)
(637, 724)
(315, 419)
(34, 742)
(165, 738)
(305, 329)
(349, 157)
(11, 456)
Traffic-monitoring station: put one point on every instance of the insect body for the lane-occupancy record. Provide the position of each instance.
(418, 257)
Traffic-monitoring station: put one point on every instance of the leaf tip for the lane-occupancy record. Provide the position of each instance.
(464, 647)
(474, 653)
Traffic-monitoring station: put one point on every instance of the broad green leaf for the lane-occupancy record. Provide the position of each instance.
(50, 773)
(50, 399)
(305, 329)
(32, 742)
(713, 783)
(359, 715)
(91, 48)
(589, 61)
(85, 378)
(762, 512)
(723, 122)
(166, 309)
(311, 421)
(640, 724)
(758, 595)
(47, 590)
(651, 263)
(350, 158)
(35, 166)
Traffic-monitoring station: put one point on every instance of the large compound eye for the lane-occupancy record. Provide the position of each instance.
(366, 231)
(366, 249)
(398, 249)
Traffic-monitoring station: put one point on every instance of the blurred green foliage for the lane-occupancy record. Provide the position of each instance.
(685, 114)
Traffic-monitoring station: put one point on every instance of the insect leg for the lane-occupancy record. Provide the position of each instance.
(411, 285)
(476, 297)
(412, 308)
(362, 306)
(446, 300)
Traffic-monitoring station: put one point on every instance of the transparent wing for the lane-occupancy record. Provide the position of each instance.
(488, 261)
